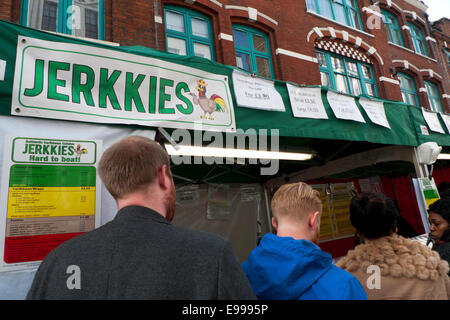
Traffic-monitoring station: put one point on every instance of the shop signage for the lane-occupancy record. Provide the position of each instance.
(256, 93)
(431, 118)
(50, 193)
(344, 107)
(84, 83)
(375, 111)
(306, 102)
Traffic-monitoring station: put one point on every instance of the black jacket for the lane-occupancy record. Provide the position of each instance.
(444, 251)
(140, 255)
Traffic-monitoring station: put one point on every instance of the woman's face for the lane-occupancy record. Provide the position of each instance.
(437, 226)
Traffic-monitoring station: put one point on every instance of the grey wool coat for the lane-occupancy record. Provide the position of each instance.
(140, 255)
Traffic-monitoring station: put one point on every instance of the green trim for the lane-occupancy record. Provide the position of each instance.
(362, 80)
(187, 35)
(124, 60)
(250, 51)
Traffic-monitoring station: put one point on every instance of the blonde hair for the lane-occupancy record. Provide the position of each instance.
(131, 164)
(296, 200)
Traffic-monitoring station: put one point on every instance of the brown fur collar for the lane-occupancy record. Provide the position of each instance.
(397, 257)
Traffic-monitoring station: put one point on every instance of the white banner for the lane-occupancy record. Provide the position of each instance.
(431, 118)
(344, 107)
(256, 93)
(306, 102)
(446, 120)
(84, 83)
(375, 111)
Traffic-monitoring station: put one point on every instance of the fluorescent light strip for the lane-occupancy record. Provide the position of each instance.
(444, 156)
(235, 153)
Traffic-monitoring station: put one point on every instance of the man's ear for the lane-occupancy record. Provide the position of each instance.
(163, 179)
(314, 220)
(274, 223)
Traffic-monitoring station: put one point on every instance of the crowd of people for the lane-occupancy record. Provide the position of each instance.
(141, 255)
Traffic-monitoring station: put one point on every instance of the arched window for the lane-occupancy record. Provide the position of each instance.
(408, 89)
(346, 75)
(252, 51)
(392, 28)
(188, 33)
(83, 18)
(433, 96)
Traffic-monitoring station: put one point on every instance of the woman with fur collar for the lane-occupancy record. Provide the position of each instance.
(389, 266)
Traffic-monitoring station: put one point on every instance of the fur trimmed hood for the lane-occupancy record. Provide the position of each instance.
(397, 257)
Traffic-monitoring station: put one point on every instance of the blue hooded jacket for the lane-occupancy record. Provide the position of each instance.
(282, 268)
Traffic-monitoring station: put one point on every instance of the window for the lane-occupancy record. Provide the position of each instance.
(418, 40)
(188, 33)
(408, 89)
(83, 18)
(346, 75)
(433, 96)
(447, 54)
(252, 51)
(343, 11)
(391, 28)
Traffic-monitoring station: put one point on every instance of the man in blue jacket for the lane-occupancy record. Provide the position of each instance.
(290, 265)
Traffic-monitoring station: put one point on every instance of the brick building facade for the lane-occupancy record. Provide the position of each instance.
(386, 48)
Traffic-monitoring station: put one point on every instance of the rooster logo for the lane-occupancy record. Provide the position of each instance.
(80, 151)
(209, 105)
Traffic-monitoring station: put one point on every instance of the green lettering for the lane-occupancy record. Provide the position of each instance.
(152, 95)
(189, 107)
(38, 80)
(132, 93)
(106, 89)
(38, 149)
(86, 88)
(163, 97)
(53, 81)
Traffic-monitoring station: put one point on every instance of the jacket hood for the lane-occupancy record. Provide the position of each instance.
(284, 268)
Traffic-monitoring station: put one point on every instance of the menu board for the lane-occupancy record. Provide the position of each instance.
(49, 194)
(335, 220)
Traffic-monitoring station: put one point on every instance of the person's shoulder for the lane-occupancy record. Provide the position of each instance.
(341, 274)
(83, 242)
(198, 237)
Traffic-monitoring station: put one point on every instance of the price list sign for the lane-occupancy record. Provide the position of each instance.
(49, 191)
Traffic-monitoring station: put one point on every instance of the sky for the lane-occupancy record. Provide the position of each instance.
(437, 9)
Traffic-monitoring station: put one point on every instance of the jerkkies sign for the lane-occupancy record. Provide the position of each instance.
(90, 84)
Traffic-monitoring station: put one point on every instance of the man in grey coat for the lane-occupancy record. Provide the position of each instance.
(139, 254)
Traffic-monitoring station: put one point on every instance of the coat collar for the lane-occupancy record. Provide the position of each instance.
(138, 212)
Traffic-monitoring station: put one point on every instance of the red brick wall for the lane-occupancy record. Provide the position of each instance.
(132, 22)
